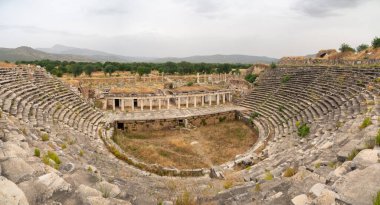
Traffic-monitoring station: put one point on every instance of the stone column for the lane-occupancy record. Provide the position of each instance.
(225, 77)
(209, 100)
(105, 104)
(203, 100)
(224, 98)
(230, 97)
(159, 104)
(187, 102)
(150, 105)
(133, 104)
(197, 77)
(122, 104)
(113, 104)
(179, 102)
(195, 101)
(168, 104)
(142, 104)
(217, 99)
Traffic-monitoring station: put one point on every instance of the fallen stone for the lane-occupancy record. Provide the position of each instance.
(10, 194)
(317, 189)
(84, 192)
(54, 183)
(326, 197)
(16, 170)
(359, 186)
(300, 200)
(344, 168)
(68, 167)
(216, 172)
(347, 149)
(10, 149)
(95, 200)
(366, 158)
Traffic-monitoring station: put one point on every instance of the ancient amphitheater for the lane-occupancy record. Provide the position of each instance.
(314, 141)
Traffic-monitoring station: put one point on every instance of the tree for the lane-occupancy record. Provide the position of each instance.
(273, 65)
(346, 48)
(76, 69)
(88, 69)
(376, 42)
(361, 47)
(109, 69)
(251, 77)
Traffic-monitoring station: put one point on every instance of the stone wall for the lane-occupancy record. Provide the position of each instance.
(332, 62)
(162, 124)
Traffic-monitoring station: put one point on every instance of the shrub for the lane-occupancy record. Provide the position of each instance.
(376, 199)
(377, 139)
(257, 187)
(185, 199)
(281, 108)
(285, 78)
(37, 152)
(64, 146)
(53, 156)
(191, 83)
(273, 65)
(203, 122)
(254, 115)
(352, 155)
(366, 122)
(227, 184)
(251, 77)
(105, 190)
(303, 130)
(317, 165)
(362, 47)
(268, 176)
(376, 42)
(45, 137)
(81, 153)
(290, 171)
(1, 113)
(222, 119)
(346, 48)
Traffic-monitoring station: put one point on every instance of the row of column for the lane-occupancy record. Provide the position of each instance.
(139, 103)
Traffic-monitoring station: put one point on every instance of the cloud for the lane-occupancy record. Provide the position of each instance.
(325, 8)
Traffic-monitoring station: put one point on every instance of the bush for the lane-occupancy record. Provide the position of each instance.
(268, 176)
(37, 152)
(346, 48)
(376, 199)
(285, 78)
(376, 42)
(366, 122)
(251, 78)
(191, 83)
(81, 153)
(303, 130)
(273, 65)
(254, 115)
(362, 47)
(185, 199)
(352, 155)
(227, 184)
(377, 139)
(290, 171)
(53, 156)
(257, 187)
(45, 137)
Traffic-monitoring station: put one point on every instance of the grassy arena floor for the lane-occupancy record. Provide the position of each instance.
(197, 148)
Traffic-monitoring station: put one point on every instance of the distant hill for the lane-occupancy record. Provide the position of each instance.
(246, 59)
(61, 52)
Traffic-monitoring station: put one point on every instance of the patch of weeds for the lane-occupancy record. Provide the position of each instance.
(106, 191)
(222, 119)
(281, 108)
(248, 168)
(285, 79)
(332, 164)
(81, 153)
(37, 152)
(257, 187)
(268, 176)
(203, 122)
(64, 146)
(228, 184)
(376, 199)
(317, 165)
(185, 199)
(53, 156)
(254, 115)
(89, 169)
(366, 122)
(377, 138)
(370, 143)
(45, 137)
(191, 83)
(298, 123)
(289, 172)
(303, 130)
(352, 154)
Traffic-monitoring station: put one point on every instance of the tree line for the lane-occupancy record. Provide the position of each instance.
(58, 68)
(347, 48)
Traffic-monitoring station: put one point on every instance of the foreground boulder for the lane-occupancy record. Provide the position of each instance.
(359, 186)
(367, 157)
(10, 194)
(16, 169)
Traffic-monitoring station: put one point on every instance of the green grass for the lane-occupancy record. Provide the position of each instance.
(81, 153)
(352, 155)
(185, 199)
(366, 122)
(289, 172)
(257, 187)
(377, 139)
(228, 184)
(376, 199)
(53, 156)
(285, 79)
(37, 152)
(268, 176)
(45, 137)
(303, 130)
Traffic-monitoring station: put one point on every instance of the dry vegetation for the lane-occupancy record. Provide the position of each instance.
(198, 148)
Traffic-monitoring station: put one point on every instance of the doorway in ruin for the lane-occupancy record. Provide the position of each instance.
(134, 102)
(117, 103)
(120, 126)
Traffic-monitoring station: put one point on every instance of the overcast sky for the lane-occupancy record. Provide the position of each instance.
(162, 28)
